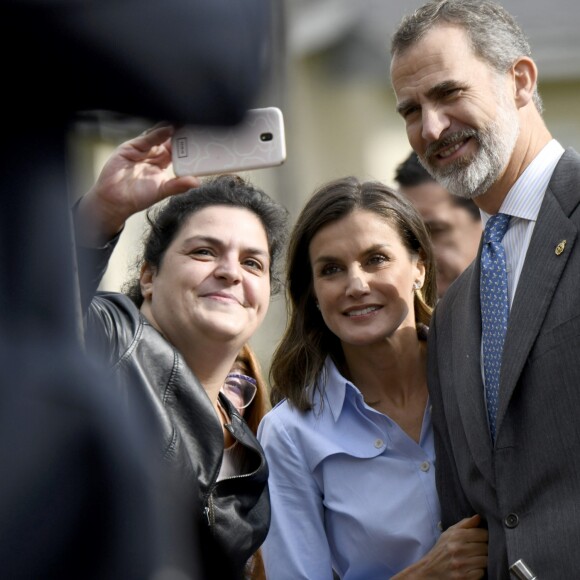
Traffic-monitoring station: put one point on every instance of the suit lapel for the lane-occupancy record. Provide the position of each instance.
(466, 328)
(541, 272)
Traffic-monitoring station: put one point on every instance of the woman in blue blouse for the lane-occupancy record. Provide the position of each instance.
(350, 442)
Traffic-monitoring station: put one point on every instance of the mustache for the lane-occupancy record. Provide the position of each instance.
(448, 140)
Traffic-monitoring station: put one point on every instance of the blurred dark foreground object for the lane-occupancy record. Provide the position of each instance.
(80, 495)
(190, 61)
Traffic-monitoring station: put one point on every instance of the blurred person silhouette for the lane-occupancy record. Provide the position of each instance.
(350, 444)
(207, 270)
(79, 494)
(454, 222)
(504, 340)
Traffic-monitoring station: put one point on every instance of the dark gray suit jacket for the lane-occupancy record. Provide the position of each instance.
(527, 488)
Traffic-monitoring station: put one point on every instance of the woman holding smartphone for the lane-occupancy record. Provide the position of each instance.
(203, 289)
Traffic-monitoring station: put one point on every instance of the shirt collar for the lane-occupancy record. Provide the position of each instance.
(525, 197)
(336, 388)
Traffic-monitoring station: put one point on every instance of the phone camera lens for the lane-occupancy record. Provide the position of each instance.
(266, 136)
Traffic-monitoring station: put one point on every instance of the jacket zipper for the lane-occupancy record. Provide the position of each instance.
(208, 510)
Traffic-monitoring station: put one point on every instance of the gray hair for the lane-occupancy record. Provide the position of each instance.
(494, 34)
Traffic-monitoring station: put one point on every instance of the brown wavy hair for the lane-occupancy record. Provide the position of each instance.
(298, 360)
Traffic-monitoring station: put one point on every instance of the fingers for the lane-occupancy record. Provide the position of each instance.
(158, 125)
(474, 540)
(180, 185)
(156, 135)
(466, 523)
(465, 538)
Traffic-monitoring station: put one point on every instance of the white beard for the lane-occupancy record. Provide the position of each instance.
(470, 177)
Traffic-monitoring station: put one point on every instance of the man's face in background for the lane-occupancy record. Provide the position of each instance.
(454, 230)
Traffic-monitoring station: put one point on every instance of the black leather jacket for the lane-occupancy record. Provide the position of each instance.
(236, 510)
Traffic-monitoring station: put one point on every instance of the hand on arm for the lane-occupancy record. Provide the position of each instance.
(136, 176)
(460, 553)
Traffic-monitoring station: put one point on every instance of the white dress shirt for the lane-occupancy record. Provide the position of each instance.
(523, 203)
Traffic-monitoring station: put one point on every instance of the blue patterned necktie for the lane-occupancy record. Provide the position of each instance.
(494, 309)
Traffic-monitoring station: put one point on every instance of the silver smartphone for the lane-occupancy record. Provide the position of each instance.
(257, 141)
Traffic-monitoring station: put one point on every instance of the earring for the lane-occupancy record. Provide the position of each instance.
(318, 306)
(417, 285)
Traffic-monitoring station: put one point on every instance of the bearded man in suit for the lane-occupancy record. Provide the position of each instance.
(466, 87)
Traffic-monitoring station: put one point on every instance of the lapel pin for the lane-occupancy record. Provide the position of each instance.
(560, 247)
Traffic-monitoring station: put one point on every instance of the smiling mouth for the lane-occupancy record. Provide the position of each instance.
(224, 298)
(450, 150)
(447, 146)
(363, 311)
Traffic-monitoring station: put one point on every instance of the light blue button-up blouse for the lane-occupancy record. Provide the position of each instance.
(349, 489)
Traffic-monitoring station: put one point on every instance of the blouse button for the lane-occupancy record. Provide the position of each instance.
(425, 466)
(379, 443)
